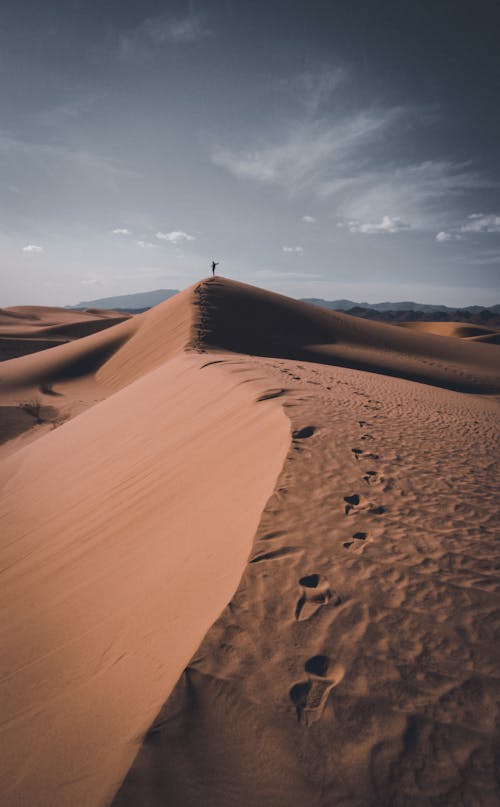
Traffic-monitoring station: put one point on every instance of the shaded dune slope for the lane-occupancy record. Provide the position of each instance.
(28, 329)
(248, 320)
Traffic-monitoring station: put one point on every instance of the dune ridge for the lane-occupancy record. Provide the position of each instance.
(131, 527)
(125, 533)
(244, 319)
(356, 663)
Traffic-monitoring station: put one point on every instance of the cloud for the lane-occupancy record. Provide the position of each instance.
(145, 244)
(312, 148)
(32, 249)
(298, 249)
(444, 235)
(120, 231)
(314, 89)
(481, 223)
(160, 31)
(175, 237)
(388, 225)
(474, 223)
(45, 160)
(352, 159)
(419, 194)
(309, 219)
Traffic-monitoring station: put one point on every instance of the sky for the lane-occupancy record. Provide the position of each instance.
(329, 148)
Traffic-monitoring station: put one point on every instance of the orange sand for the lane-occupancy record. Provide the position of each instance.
(27, 329)
(355, 664)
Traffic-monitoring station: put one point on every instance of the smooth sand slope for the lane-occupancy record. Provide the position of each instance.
(354, 665)
(125, 532)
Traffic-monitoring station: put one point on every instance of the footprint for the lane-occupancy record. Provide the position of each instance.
(357, 452)
(317, 665)
(316, 592)
(268, 536)
(369, 475)
(277, 553)
(302, 434)
(272, 393)
(310, 697)
(351, 501)
(358, 536)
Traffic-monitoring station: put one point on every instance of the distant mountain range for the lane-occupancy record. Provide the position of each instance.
(348, 305)
(387, 312)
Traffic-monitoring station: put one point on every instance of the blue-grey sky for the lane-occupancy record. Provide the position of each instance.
(329, 148)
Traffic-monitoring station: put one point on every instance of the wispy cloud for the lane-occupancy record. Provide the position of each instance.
(298, 249)
(298, 163)
(420, 194)
(481, 223)
(32, 249)
(388, 225)
(48, 168)
(175, 237)
(165, 29)
(308, 219)
(352, 160)
(120, 231)
(145, 244)
(313, 89)
(474, 223)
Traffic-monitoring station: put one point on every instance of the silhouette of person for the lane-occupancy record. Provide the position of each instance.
(214, 264)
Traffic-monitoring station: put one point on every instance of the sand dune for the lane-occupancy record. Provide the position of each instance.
(462, 330)
(355, 664)
(247, 320)
(127, 530)
(28, 329)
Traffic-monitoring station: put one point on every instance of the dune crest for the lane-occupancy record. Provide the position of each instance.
(363, 611)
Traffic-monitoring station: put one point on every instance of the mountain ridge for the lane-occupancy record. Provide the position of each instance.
(148, 299)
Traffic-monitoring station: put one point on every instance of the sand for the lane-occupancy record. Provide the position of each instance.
(27, 329)
(240, 573)
(462, 330)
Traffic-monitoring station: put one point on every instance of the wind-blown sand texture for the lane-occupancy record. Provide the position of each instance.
(238, 466)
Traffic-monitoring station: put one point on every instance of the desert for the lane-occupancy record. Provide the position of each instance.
(249, 403)
(251, 565)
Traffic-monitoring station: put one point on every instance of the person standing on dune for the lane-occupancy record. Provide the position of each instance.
(214, 264)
